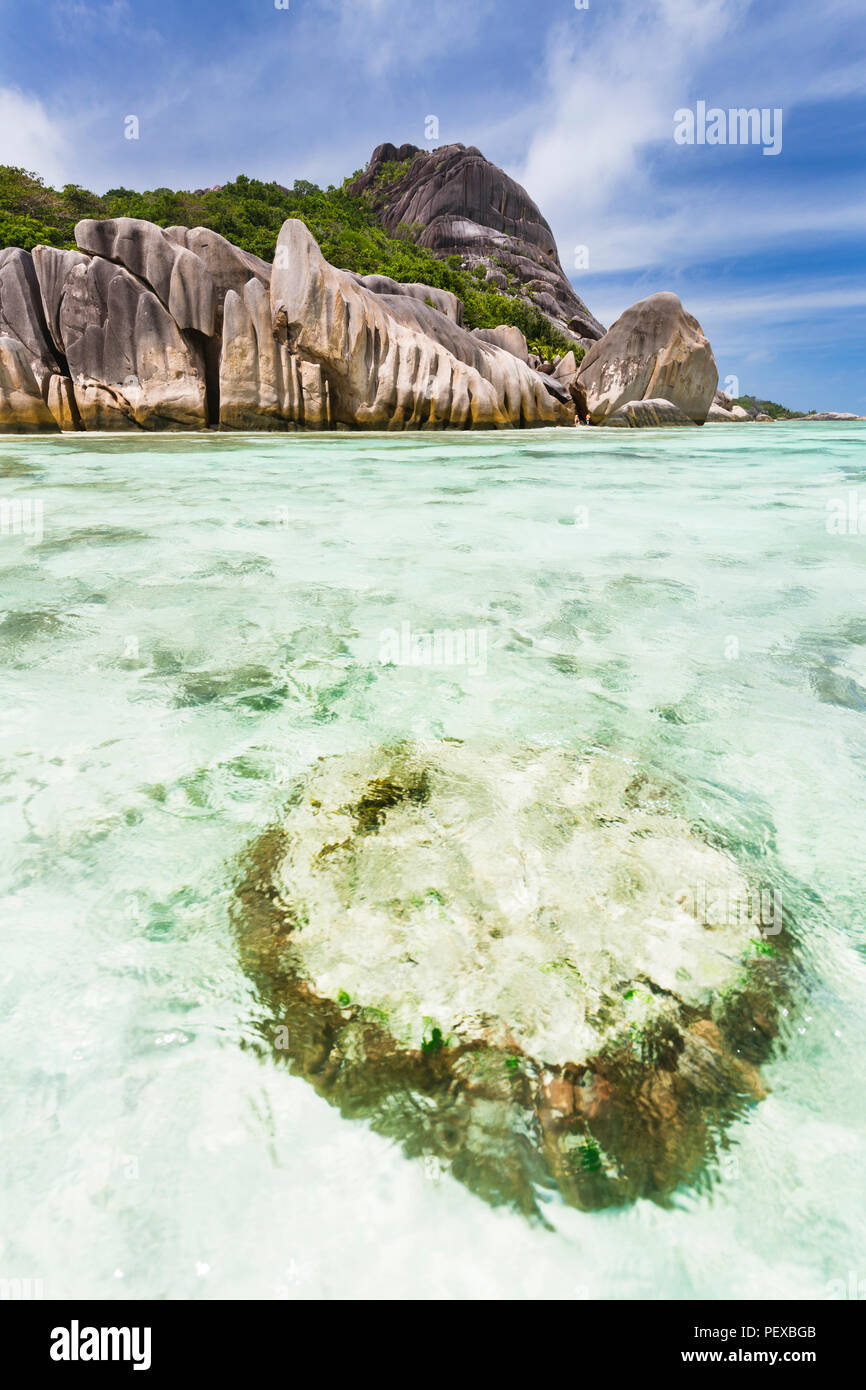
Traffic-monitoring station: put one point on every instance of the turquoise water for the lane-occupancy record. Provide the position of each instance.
(186, 622)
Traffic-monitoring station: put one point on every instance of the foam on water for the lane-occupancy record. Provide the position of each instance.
(195, 619)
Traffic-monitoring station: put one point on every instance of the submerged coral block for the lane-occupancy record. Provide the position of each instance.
(517, 936)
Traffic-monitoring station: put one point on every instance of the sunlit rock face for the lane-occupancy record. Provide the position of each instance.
(655, 350)
(498, 956)
(457, 202)
(390, 360)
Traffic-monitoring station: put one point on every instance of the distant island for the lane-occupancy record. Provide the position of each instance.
(425, 292)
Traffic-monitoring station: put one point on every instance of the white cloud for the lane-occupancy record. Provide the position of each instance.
(600, 160)
(785, 306)
(31, 137)
(387, 36)
(611, 91)
(732, 221)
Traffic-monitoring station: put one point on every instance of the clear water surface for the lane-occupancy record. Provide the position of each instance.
(187, 621)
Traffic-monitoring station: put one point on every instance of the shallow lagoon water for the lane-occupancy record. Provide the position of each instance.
(190, 621)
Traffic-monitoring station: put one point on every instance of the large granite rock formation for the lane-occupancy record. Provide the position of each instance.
(52, 269)
(21, 313)
(146, 328)
(461, 204)
(142, 328)
(655, 349)
(392, 361)
(263, 383)
(228, 266)
(130, 365)
(501, 957)
(33, 364)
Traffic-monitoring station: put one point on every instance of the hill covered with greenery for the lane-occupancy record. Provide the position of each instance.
(250, 213)
(771, 408)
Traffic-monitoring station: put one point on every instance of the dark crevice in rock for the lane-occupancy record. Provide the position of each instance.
(207, 350)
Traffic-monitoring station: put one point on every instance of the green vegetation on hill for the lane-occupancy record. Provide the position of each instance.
(250, 213)
(771, 408)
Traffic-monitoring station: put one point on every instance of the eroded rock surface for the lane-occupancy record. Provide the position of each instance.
(130, 365)
(443, 300)
(178, 278)
(21, 312)
(392, 361)
(146, 328)
(263, 385)
(507, 337)
(495, 955)
(35, 392)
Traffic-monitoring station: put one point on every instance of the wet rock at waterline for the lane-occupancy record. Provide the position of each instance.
(494, 956)
(638, 414)
(22, 408)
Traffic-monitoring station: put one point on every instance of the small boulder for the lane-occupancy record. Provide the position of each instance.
(655, 349)
(505, 336)
(652, 413)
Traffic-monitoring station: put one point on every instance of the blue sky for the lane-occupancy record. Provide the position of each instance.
(768, 252)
